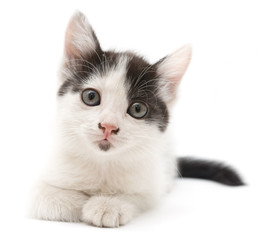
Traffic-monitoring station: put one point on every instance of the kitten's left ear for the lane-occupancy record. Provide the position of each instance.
(80, 39)
(171, 70)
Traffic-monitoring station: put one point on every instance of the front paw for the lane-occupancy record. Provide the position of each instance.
(103, 211)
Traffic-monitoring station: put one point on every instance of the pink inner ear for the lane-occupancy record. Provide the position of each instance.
(79, 37)
(75, 32)
(70, 49)
(172, 69)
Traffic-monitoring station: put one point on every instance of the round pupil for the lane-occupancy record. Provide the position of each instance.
(91, 95)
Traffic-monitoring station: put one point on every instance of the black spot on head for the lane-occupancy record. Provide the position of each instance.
(142, 79)
(79, 70)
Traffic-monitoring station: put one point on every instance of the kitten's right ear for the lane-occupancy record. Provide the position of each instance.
(80, 39)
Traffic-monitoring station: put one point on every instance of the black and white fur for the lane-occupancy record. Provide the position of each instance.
(106, 182)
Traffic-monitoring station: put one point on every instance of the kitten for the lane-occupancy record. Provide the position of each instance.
(113, 158)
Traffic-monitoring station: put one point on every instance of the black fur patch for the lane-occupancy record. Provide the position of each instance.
(210, 170)
(79, 70)
(143, 86)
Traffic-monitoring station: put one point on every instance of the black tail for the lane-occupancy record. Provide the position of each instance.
(197, 168)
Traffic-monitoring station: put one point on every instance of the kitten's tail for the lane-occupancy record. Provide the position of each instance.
(211, 170)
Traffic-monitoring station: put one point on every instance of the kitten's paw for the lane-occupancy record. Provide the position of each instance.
(104, 211)
(56, 204)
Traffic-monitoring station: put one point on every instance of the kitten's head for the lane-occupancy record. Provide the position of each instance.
(110, 101)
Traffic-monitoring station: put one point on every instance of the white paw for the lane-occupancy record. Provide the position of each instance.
(103, 211)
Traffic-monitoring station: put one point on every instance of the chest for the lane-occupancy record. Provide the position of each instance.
(135, 176)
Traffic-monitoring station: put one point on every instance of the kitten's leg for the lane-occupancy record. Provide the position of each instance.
(112, 211)
(52, 203)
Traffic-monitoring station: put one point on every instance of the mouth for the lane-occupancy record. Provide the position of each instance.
(104, 145)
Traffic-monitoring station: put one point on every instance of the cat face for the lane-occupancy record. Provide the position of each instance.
(111, 101)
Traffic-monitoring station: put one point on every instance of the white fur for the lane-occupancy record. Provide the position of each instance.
(108, 188)
(130, 177)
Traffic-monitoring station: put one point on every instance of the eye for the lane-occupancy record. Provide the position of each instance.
(137, 110)
(90, 97)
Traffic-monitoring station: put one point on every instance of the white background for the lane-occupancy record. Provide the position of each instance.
(216, 115)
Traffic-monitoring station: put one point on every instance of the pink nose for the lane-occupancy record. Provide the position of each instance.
(108, 129)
